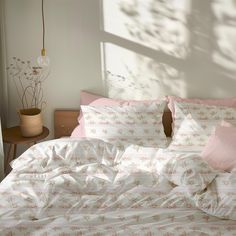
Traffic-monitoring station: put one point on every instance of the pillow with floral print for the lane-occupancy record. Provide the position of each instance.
(194, 124)
(126, 124)
(189, 171)
(87, 98)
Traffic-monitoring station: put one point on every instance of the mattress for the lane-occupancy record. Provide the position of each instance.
(87, 187)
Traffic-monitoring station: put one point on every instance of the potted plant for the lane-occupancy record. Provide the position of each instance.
(28, 81)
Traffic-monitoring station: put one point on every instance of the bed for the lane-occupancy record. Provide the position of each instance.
(71, 186)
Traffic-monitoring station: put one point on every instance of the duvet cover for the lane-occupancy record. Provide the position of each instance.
(89, 187)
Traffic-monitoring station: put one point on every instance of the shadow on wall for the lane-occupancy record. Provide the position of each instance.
(181, 47)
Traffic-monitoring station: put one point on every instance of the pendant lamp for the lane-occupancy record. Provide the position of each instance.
(43, 59)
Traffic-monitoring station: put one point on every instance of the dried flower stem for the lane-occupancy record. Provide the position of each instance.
(28, 82)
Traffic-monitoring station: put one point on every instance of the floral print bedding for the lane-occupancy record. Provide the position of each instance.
(88, 187)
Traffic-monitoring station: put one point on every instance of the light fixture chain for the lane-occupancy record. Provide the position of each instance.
(43, 22)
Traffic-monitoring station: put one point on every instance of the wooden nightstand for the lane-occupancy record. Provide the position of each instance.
(13, 137)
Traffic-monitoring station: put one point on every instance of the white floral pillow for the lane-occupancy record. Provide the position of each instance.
(136, 124)
(194, 124)
(189, 171)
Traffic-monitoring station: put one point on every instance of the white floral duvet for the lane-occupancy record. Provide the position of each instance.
(89, 187)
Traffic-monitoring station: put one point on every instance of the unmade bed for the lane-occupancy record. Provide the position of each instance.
(88, 186)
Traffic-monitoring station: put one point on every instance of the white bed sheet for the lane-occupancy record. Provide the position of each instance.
(71, 187)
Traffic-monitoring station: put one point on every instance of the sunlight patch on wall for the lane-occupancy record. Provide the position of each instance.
(129, 75)
(225, 32)
(160, 25)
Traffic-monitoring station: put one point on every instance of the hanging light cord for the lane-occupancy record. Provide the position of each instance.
(43, 59)
(43, 22)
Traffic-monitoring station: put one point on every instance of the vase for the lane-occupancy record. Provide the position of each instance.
(31, 122)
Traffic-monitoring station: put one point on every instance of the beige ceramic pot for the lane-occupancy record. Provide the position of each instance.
(31, 122)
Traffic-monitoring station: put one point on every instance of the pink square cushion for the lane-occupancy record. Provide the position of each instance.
(227, 102)
(220, 151)
(87, 98)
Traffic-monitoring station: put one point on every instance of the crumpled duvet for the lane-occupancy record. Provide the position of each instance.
(211, 191)
(89, 187)
(219, 198)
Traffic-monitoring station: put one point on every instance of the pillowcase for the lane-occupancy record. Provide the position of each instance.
(220, 151)
(227, 102)
(190, 172)
(194, 124)
(134, 124)
(87, 98)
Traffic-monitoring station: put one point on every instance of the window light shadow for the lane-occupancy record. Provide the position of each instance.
(154, 47)
(130, 75)
(160, 25)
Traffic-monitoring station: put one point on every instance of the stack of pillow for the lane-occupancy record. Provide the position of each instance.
(206, 126)
(112, 120)
(201, 125)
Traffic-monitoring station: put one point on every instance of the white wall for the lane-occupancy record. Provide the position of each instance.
(71, 43)
(190, 53)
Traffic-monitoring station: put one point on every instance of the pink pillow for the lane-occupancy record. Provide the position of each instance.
(228, 102)
(220, 151)
(87, 98)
